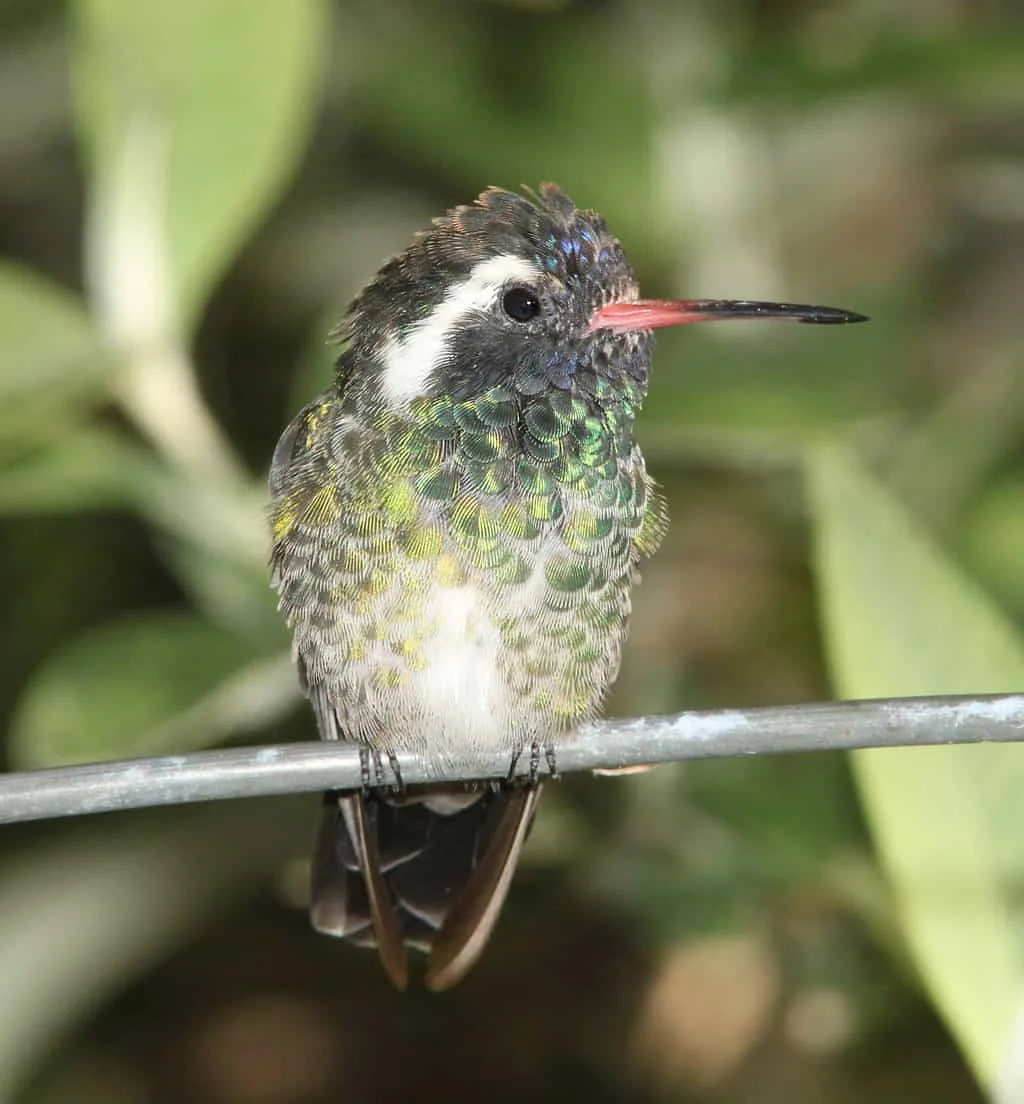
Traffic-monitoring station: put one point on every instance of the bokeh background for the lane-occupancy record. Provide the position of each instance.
(190, 193)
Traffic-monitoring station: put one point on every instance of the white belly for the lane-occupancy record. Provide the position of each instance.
(438, 677)
(461, 692)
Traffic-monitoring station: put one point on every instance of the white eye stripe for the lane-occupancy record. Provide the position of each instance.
(409, 363)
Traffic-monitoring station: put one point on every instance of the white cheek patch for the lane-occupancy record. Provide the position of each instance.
(410, 361)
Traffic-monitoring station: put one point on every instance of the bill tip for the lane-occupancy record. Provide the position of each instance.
(846, 316)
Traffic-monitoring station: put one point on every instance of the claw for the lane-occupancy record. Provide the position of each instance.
(551, 760)
(534, 762)
(398, 787)
(514, 780)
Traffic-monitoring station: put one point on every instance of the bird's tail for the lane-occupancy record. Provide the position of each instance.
(427, 869)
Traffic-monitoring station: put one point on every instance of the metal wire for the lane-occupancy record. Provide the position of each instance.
(604, 746)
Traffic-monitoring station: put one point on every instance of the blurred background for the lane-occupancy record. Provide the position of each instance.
(190, 193)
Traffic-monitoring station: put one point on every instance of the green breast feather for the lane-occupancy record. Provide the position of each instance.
(536, 502)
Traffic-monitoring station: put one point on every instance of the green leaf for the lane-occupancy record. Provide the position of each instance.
(229, 86)
(902, 619)
(117, 690)
(51, 354)
(83, 469)
(230, 590)
(213, 538)
(992, 532)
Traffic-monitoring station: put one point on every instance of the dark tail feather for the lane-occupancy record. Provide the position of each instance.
(342, 902)
(429, 869)
(475, 911)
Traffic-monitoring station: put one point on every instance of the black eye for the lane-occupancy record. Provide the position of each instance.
(520, 304)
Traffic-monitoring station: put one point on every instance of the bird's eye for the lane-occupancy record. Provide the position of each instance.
(520, 304)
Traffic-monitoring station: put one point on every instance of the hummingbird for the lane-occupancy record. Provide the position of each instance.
(457, 525)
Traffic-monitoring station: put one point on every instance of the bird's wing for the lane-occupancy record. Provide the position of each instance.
(320, 487)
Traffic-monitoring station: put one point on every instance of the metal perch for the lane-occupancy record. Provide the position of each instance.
(605, 746)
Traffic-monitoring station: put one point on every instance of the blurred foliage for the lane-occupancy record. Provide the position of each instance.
(189, 194)
(902, 620)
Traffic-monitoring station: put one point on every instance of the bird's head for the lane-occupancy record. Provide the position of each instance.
(524, 291)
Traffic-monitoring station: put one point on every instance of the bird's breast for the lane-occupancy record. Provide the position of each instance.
(458, 587)
(476, 664)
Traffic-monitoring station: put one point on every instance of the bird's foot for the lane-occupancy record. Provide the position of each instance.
(374, 775)
(398, 785)
(551, 760)
(515, 779)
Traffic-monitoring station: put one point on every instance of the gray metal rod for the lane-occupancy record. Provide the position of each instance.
(603, 746)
